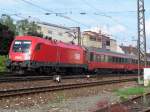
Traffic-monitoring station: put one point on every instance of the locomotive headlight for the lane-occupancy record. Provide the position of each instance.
(27, 56)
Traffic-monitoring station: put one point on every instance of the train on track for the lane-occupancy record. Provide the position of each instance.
(30, 53)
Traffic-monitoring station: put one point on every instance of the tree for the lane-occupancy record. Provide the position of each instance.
(30, 28)
(6, 37)
(7, 33)
(6, 20)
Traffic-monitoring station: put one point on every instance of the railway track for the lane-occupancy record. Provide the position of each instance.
(23, 91)
(35, 78)
(136, 104)
(19, 78)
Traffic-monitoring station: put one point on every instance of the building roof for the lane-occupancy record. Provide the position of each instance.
(95, 34)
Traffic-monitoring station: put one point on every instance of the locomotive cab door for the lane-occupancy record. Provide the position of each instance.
(89, 56)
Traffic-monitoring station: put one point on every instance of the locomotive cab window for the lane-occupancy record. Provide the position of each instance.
(21, 46)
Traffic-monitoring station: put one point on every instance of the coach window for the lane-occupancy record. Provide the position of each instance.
(123, 60)
(113, 59)
(94, 57)
(109, 58)
(102, 58)
(126, 60)
(136, 61)
(132, 61)
(106, 58)
(99, 58)
(117, 60)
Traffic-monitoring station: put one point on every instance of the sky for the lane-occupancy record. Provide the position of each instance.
(115, 17)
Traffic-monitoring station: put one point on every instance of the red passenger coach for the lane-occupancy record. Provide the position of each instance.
(34, 53)
(107, 62)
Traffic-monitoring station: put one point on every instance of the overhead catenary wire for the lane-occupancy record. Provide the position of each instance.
(57, 14)
(102, 13)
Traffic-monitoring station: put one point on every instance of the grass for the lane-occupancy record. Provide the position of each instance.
(125, 93)
(2, 63)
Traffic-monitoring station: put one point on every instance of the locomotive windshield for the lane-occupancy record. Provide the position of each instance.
(21, 46)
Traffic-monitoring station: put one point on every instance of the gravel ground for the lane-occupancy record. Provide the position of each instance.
(76, 100)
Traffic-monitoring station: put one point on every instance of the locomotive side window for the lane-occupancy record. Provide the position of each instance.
(38, 47)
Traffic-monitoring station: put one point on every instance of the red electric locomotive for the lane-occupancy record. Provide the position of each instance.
(33, 53)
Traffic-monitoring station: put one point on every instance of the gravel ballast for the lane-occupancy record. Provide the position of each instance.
(76, 100)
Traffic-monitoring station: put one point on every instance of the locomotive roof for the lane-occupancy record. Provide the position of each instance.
(46, 41)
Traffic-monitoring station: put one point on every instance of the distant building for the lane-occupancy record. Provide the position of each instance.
(67, 34)
(98, 40)
(57, 32)
(91, 39)
(129, 50)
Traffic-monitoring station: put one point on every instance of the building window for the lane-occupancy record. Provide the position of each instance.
(50, 32)
(92, 38)
(107, 43)
(99, 39)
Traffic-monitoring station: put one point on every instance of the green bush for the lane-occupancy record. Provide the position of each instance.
(126, 92)
(3, 63)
